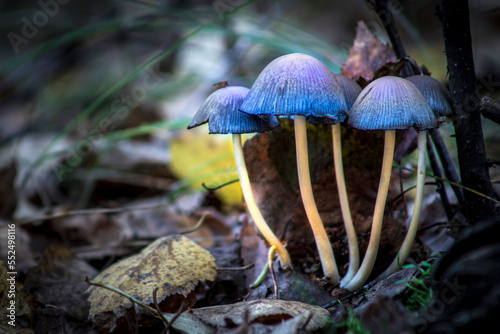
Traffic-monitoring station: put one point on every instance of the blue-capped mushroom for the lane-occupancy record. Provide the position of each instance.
(435, 92)
(390, 104)
(350, 88)
(301, 86)
(221, 112)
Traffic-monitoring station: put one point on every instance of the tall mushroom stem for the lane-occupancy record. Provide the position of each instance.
(378, 214)
(322, 242)
(412, 230)
(344, 206)
(252, 205)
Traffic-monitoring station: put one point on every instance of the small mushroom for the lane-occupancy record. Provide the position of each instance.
(390, 104)
(350, 88)
(435, 92)
(301, 86)
(220, 110)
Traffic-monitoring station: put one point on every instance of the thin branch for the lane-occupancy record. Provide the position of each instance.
(219, 186)
(90, 212)
(250, 266)
(449, 169)
(490, 108)
(437, 172)
(198, 224)
(157, 307)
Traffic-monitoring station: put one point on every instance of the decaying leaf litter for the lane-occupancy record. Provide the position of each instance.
(122, 240)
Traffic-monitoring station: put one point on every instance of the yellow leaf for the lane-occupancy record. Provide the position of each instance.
(202, 158)
(173, 264)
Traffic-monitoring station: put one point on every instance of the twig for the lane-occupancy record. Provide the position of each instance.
(89, 212)
(198, 224)
(157, 307)
(490, 108)
(219, 186)
(250, 266)
(401, 195)
(449, 169)
(437, 172)
(385, 15)
(124, 294)
(461, 186)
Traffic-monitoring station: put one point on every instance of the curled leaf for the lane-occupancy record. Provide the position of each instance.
(265, 311)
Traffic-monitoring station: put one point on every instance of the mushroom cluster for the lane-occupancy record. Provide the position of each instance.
(301, 87)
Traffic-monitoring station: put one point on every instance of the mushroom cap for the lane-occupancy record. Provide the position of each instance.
(296, 84)
(350, 88)
(351, 91)
(220, 110)
(391, 103)
(435, 92)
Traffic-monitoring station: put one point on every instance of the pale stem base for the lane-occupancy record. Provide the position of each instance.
(344, 206)
(412, 230)
(322, 242)
(252, 204)
(378, 214)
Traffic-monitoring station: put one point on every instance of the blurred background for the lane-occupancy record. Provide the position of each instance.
(96, 95)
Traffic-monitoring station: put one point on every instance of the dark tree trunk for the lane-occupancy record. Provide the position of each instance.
(454, 14)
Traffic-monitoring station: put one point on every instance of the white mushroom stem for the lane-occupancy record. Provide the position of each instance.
(252, 205)
(344, 206)
(412, 230)
(322, 242)
(378, 214)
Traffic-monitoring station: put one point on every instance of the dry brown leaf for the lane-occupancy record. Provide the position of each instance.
(173, 264)
(366, 55)
(266, 311)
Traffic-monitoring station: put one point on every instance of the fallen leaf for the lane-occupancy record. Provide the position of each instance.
(173, 264)
(265, 311)
(366, 55)
(206, 159)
